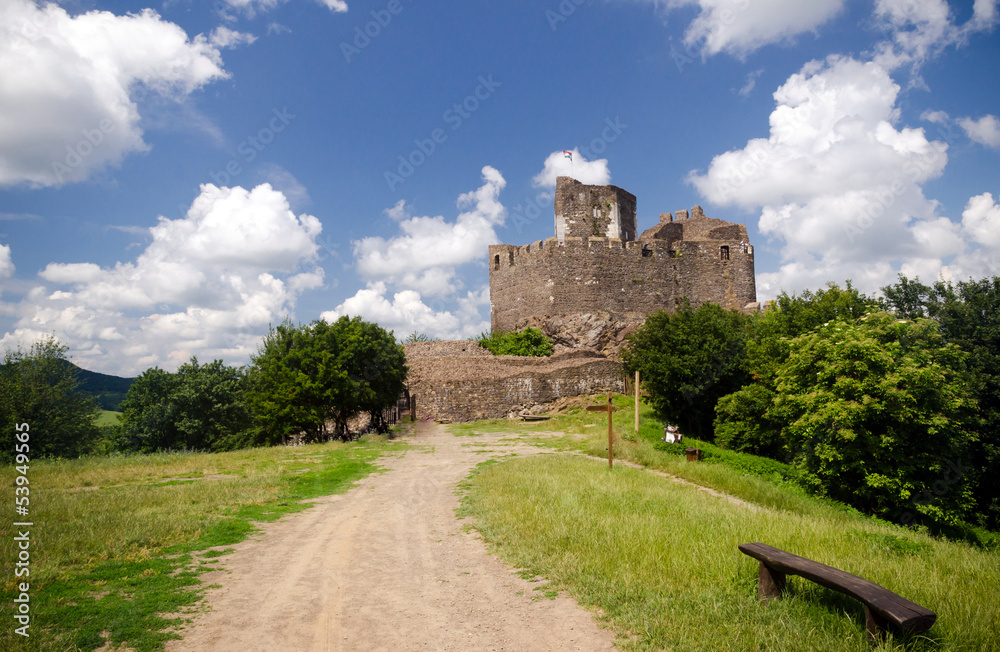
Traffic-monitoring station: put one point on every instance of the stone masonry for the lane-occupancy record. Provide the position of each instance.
(596, 264)
(461, 381)
(586, 288)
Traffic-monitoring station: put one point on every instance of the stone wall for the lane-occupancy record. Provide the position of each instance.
(589, 275)
(597, 264)
(461, 381)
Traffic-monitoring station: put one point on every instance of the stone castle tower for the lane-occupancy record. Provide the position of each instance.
(597, 264)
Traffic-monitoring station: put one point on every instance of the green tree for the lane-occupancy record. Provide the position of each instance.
(688, 360)
(968, 313)
(149, 416)
(200, 407)
(417, 337)
(876, 415)
(742, 418)
(40, 388)
(302, 377)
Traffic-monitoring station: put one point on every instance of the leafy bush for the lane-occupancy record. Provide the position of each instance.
(876, 415)
(742, 422)
(530, 342)
(688, 360)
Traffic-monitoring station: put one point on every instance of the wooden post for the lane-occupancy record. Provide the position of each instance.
(637, 402)
(610, 435)
(610, 409)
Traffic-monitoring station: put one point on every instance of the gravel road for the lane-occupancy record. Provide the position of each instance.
(386, 566)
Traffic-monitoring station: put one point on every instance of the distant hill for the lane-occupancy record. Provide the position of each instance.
(108, 390)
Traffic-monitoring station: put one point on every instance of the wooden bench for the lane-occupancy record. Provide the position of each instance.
(882, 606)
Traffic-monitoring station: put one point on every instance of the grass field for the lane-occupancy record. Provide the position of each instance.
(118, 542)
(107, 418)
(660, 559)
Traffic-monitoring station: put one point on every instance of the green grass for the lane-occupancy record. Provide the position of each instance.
(118, 542)
(107, 418)
(660, 560)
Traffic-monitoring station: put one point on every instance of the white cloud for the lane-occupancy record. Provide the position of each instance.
(981, 220)
(223, 37)
(743, 26)
(68, 86)
(937, 117)
(6, 265)
(425, 254)
(417, 281)
(751, 82)
(208, 284)
(839, 184)
(334, 5)
(407, 312)
(557, 164)
(919, 30)
(985, 130)
(251, 8)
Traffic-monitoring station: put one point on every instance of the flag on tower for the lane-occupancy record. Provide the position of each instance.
(568, 155)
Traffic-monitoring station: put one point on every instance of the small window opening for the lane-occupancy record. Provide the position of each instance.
(511, 254)
(724, 253)
(496, 261)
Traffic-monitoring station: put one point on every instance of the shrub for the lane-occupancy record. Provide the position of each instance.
(530, 342)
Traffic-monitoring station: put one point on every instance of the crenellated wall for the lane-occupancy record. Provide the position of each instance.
(594, 274)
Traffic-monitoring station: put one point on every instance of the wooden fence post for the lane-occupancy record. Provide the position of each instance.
(636, 402)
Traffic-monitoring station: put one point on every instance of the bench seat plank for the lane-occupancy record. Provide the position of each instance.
(888, 606)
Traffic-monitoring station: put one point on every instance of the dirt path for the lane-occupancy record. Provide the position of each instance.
(386, 566)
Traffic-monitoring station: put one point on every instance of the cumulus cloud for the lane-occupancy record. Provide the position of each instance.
(557, 164)
(985, 130)
(418, 281)
(68, 85)
(839, 183)
(407, 312)
(208, 284)
(741, 27)
(919, 30)
(981, 220)
(427, 251)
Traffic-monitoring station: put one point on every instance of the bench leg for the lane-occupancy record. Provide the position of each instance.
(874, 623)
(770, 583)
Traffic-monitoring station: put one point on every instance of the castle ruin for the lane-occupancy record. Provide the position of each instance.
(596, 263)
(586, 288)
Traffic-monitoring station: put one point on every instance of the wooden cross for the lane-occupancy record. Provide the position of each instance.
(609, 409)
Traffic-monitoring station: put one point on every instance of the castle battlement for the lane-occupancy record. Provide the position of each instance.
(598, 263)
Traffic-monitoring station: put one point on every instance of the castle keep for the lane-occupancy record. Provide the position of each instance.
(597, 264)
(586, 288)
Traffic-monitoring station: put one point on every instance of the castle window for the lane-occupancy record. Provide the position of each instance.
(496, 261)
(511, 254)
(724, 253)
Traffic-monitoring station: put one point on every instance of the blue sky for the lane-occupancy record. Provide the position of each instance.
(175, 177)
